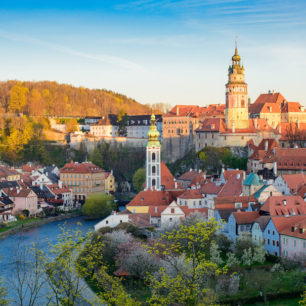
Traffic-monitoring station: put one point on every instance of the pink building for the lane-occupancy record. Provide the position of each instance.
(293, 240)
(23, 198)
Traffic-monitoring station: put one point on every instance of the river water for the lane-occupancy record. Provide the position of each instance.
(42, 235)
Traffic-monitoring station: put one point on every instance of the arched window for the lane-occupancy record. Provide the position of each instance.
(153, 156)
(153, 169)
(153, 182)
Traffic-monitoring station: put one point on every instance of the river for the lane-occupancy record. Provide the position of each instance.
(43, 235)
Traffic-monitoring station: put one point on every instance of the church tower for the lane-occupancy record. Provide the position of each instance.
(153, 175)
(236, 107)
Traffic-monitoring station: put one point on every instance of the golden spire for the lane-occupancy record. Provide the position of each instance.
(236, 57)
(153, 133)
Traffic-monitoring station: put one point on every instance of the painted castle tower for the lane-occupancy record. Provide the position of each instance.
(153, 175)
(236, 111)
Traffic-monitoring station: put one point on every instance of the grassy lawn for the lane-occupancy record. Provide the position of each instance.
(17, 223)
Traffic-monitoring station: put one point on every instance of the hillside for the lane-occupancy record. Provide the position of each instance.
(53, 99)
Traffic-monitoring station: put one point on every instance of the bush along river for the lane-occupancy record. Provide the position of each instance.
(41, 236)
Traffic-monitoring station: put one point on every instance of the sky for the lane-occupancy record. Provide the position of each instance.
(169, 51)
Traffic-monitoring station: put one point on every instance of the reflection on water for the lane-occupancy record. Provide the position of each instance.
(42, 236)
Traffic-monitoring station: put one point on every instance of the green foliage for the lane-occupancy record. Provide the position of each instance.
(302, 302)
(139, 179)
(124, 161)
(247, 257)
(98, 205)
(122, 123)
(189, 285)
(215, 254)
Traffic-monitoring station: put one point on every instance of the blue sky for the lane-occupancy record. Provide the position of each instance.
(168, 51)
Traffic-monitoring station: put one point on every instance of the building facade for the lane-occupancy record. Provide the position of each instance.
(83, 179)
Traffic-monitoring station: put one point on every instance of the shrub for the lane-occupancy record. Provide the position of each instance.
(26, 213)
(98, 205)
(21, 217)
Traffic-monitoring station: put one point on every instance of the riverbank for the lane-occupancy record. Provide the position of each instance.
(28, 224)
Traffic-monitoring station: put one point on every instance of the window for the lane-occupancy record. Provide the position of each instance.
(153, 156)
(273, 233)
(106, 221)
(172, 210)
(294, 242)
(268, 242)
(273, 242)
(268, 232)
(170, 219)
(153, 169)
(153, 182)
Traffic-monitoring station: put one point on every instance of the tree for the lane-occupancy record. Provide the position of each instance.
(96, 157)
(139, 179)
(122, 122)
(18, 98)
(247, 257)
(244, 242)
(189, 245)
(98, 205)
(302, 302)
(71, 126)
(215, 255)
(259, 254)
(3, 295)
(232, 261)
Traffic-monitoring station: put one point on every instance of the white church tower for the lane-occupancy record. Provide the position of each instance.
(153, 176)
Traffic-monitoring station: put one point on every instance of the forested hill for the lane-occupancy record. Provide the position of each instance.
(53, 99)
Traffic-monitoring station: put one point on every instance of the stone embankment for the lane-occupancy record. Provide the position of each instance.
(35, 223)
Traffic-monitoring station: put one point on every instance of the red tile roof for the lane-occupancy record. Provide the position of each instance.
(291, 158)
(191, 194)
(86, 167)
(271, 98)
(295, 181)
(294, 107)
(228, 173)
(210, 188)
(296, 228)
(17, 192)
(284, 206)
(167, 179)
(54, 188)
(152, 198)
(188, 211)
(155, 211)
(283, 223)
(5, 172)
(232, 187)
(189, 175)
(245, 217)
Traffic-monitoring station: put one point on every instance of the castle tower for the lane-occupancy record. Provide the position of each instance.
(153, 175)
(236, 109)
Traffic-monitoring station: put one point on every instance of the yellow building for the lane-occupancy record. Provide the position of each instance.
(110, 186)
(83, 179)
(9, 174)
(236, 111)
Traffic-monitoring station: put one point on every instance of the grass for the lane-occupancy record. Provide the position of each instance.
(16, 224)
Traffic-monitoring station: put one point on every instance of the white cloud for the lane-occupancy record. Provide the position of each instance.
(108, 59)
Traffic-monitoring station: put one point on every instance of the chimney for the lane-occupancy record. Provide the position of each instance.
(238, 176)
(17, 190)
(41, 186)
(190, 169)
(177, 110)
(233, 127)
(280, 129)
(275, 168)
(204, 176)
(60, 184)
(243, 175)
(175, 185)
(285, 202)
(155, 209)
(266, 145)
